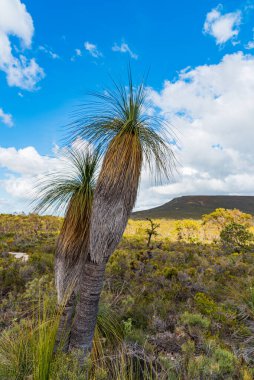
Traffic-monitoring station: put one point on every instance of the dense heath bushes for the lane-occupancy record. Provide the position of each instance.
(182, 308)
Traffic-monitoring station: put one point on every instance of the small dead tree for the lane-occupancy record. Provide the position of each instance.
(151, 231)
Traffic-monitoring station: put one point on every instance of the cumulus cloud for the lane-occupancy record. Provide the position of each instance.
(124, 48)
(26, 161)
(6, 118)
(223, 27)
(211, 109)
(22, 168)
(92, 49)
(16, 21)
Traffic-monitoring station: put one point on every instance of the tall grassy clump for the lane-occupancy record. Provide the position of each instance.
(44, 338)
(27, 348)
(108, 330)
(16, 359)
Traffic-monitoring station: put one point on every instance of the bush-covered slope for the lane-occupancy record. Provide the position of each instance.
(197, 205)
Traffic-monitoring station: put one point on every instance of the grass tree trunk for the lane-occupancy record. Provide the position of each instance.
(60, 271)
(69, 265)
(87, 308)
(66, 279)
(114, 200)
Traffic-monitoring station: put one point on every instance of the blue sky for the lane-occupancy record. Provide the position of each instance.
(53, 52)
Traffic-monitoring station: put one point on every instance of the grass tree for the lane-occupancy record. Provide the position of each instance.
(70, 191)
(129, 137)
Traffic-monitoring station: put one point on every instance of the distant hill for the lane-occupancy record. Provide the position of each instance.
(195, 206)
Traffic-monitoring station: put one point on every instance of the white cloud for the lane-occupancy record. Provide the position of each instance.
(19, 188)
(211, 109)
(6, 118)
(124, 48)
(48, 51)
(92, 49)
(250, 45)
(16, 21)
(26, 161)
(223, 27)
(78, 52)
(22, 169)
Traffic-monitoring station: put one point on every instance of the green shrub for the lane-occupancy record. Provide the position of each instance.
(226, 361)
(205, 304)
(127, 326)
(195, 320)
(170, 272)
(236, 236)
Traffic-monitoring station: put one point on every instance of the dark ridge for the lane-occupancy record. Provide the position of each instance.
(194, 206)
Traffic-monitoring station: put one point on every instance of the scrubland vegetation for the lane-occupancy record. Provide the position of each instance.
(177, 306)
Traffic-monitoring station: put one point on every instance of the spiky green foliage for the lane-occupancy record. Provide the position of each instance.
(120, 121)
(28, 348)
(70, 190)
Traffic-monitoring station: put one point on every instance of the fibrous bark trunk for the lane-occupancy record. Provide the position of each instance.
(84, 323)
(60, 271)
(66, 279)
